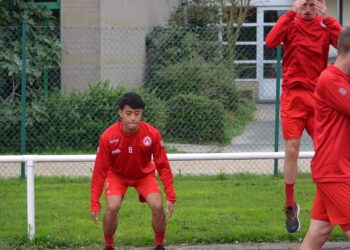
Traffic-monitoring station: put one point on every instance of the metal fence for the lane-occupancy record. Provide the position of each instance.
(58, 89)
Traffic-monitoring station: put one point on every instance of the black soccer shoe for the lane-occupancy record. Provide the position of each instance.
(159, 247)
(292, 218)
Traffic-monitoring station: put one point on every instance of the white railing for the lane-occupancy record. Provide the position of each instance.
(29, 161)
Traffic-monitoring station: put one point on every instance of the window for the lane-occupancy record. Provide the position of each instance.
(246, 46)
(271, 16)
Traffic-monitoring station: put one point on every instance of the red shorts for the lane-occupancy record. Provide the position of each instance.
(297, 112)
(332, 204)
(117, 185)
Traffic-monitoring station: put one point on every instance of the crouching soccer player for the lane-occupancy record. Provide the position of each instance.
(331, 163)
(124, 159)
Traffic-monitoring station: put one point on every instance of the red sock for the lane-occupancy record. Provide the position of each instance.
(109, 240)
(289, 189)
(159, 238)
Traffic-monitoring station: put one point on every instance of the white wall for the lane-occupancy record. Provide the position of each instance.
(105, 39)
(346, 16)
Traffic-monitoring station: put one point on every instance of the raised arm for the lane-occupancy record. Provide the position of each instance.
(332, 24)
(279, 31)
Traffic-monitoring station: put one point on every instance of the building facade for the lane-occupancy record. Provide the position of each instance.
(97, 35)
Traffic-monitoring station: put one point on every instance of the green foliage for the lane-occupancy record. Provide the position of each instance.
(10, 113)
(195, 119)
(42, 47)
(199, 77)
(14, 12)
(58, 123)
(189, 59)
(169, 45)
(198, 14)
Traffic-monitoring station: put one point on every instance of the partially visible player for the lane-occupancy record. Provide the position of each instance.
(331, 163)
(124, 159)
(306, 32)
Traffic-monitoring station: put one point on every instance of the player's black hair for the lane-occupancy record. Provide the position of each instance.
(131, 99)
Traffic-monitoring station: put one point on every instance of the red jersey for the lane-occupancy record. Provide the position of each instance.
(331, 162)
(130, 156)
(306, 47)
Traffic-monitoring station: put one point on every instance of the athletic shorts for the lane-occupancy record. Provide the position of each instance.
(297, 112)
(117, 185)
(332, 204)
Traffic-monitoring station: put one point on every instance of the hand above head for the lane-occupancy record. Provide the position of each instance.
(169, 209)
(321, 8)
(94, 216)
(297, 4)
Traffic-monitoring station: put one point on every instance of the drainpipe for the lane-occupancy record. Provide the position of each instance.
(340, 11)
(184, 5)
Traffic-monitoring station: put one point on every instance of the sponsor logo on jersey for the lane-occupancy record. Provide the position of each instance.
(113, 141)
(116, 151)
(147, 141)
(342, 91)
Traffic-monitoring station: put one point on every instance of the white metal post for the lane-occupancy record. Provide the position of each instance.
(30, 198)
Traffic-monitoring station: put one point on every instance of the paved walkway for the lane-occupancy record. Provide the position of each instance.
(261, 246)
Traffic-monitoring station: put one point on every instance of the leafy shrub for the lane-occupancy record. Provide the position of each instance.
(195, 119)
(43, 48)
(169, 45)
(10, 115)
(199, 77)
(72, 123)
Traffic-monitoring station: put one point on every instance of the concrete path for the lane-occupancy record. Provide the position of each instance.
(260, 246)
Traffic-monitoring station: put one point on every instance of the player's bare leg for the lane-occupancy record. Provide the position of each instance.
(292, 148)
(317, 235)
(110, 220)
(290, 163)
(154, 201)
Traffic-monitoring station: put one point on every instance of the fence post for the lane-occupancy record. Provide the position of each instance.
(45, 73)
(277, 107)
(30, 199)
(46, 82)
(23, 95)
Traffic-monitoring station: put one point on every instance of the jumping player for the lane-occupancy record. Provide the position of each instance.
(306, 32)
(124, 159)
(331, 163)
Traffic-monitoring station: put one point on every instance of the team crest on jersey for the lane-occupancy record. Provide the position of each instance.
(147, 141)
(113, 141)
(343, 91)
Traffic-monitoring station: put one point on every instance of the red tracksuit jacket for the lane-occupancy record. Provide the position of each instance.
(306, 47)
(331, 162)
(130, 156)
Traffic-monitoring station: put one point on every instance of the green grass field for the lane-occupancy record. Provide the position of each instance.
(210, 209)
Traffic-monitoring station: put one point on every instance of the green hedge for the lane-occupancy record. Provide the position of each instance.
(72, 123)
(199, 77)
(195, 119)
